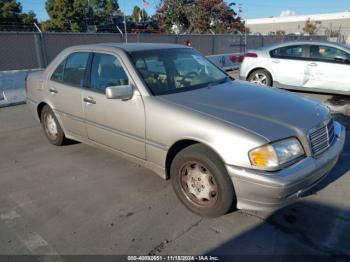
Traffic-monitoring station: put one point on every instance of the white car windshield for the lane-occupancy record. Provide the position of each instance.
(175, 70)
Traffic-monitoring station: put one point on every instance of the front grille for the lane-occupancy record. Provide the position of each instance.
(322, 138)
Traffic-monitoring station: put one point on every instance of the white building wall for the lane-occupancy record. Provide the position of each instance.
(295, 24)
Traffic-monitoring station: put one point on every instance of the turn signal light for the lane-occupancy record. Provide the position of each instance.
(251, 55)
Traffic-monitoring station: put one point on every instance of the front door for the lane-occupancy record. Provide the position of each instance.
(329, 68)
(113, 122)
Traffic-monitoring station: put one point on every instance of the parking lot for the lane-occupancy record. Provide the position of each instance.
(77, 199)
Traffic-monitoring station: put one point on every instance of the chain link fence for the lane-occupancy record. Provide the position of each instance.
(32, 50)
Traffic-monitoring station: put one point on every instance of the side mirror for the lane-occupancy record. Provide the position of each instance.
(124, 92)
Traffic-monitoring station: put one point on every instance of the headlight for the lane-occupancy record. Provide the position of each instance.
(276, 154)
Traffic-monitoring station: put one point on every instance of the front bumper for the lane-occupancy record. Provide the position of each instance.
(256, 190)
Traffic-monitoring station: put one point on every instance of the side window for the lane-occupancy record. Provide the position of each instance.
(107, 71)
(58, 74)
(74, 70)
(292, 52)
(328, 54)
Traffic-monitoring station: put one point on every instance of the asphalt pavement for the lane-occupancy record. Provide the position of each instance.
(77, 199)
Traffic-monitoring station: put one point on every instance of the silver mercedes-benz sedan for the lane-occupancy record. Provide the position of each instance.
(224, 144)
(300, 65)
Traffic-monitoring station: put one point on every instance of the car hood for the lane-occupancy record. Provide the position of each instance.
(271, 113)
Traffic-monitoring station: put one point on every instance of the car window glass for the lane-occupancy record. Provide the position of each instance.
(175, 70)
(74, 70)
(288, 52)
(107, 71)
(152, 70)
(58, 74)
(151, 64)
(328, 53)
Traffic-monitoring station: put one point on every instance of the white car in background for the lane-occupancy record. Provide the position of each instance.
(300, 65)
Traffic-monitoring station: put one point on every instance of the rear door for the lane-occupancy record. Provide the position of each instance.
(289, 65)
(65, 92)
(114, 123)
(328, 68)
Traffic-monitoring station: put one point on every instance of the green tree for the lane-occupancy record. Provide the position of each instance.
(139, 14)
(175, 14)
(198, 16)
(103, 10)
(65, 15)
(77, 15)
(13, 19)
(136, 16)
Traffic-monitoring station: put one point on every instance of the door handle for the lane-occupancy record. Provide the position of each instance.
(276, 61)
(312, 64)
(89, 100)
(53, 91)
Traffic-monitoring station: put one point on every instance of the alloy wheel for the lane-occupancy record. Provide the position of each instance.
(259, 79)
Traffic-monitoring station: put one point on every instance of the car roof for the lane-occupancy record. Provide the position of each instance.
(304, 42)
(132, 47)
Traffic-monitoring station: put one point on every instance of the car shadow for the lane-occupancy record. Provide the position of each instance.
(69, 142)
(303, 231)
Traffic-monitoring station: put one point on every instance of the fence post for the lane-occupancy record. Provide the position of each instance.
(213, 47)
(39, 50)
(241, 44)
(44, 49)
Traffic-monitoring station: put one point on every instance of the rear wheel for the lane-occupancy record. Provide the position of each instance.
(260, 77)
(201, 182)
(52, 128)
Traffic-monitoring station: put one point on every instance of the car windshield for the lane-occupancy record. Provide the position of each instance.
(168, 71)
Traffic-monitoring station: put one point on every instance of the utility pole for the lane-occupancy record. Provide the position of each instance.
(125, 30)
(142, 11)
(240, 11)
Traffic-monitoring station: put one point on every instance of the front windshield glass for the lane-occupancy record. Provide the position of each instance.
(167, 71)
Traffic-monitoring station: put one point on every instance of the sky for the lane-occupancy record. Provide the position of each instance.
(251, 8)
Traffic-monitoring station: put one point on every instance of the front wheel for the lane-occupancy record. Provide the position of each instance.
(201, 182)
(260, 77)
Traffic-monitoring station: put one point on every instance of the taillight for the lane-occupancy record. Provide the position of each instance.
(236, 58)
(251, 55)
(25, 84)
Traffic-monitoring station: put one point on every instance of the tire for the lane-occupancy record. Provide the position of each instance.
(200, 166)
(51, 126)
(260, 77)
